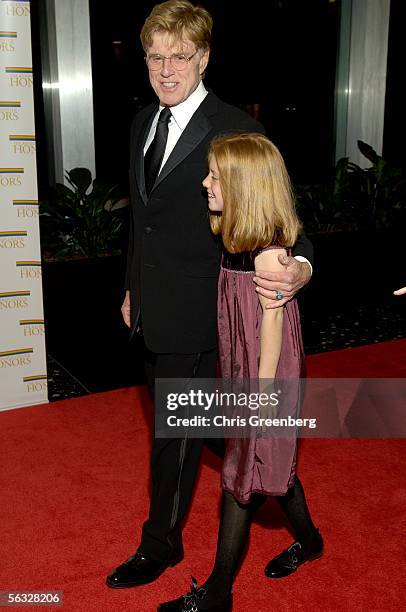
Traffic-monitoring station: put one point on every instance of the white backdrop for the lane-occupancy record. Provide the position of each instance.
(23, 377)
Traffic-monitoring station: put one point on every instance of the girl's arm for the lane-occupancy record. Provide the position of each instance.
(272, 319)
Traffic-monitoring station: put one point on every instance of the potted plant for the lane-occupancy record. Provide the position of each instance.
(355, 198)
(83, 232)
(355, 221)
(83, 221)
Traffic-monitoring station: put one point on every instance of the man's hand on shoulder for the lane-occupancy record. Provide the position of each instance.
(287, 282)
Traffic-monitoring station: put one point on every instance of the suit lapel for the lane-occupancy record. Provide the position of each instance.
(196, 130)
(139, 144)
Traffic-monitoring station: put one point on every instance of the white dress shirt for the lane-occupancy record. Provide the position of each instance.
(181, 115)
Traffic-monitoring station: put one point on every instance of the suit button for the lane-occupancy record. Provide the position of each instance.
(148, 229)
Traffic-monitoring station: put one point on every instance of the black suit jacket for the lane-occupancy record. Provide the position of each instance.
(173, 258)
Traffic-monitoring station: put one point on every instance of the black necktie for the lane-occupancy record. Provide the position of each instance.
(154, 155)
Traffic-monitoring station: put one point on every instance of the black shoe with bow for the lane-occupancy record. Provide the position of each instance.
(194, 602)
(138, 570)
(290, 559)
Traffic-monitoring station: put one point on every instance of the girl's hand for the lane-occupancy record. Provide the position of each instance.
(270, 409)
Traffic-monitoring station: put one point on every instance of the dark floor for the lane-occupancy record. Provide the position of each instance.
(62, 384)
(329, 332)
(363, 325)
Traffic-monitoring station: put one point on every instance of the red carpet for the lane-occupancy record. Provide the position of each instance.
(74, 481)
(381, 360)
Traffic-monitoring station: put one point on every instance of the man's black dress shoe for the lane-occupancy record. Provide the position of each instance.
(193, 601)
(290, 559)
(138, 570)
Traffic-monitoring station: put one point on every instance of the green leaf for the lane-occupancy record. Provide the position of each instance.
(368, 151)
(80, 178)
(63, 192)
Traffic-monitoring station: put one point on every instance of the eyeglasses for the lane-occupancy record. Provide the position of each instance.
(178, 61)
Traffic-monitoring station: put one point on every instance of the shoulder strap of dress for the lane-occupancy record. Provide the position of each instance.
(270, 247)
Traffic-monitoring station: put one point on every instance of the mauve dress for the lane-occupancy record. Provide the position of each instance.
(257, 464)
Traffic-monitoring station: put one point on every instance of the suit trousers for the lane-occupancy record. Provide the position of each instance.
(174, 462)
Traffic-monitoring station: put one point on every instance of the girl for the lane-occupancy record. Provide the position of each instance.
(251, 205)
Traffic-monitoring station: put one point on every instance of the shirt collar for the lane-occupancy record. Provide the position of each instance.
(182, 113)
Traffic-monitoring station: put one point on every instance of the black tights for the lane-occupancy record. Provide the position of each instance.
(234, 530)
(295, 507)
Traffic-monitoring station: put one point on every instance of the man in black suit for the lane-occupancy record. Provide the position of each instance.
(173, 259)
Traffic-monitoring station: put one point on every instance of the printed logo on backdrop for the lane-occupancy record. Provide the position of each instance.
(16, 8)
(26, 209)
(32, 327)
(19, 76)
(13, 239)
(22, 144)
(11, 177)
(7, 41)
(14, 300)
(16, 358)
(29, 269)
(9, 110)
(36, 383)
(22, 367)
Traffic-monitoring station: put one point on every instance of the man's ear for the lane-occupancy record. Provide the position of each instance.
(204, 60)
